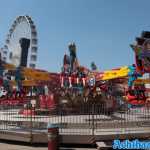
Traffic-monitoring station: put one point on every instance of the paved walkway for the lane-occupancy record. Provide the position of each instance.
(14, 146)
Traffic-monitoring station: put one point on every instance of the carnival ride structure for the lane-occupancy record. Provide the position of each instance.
(22, 35)
(77, 84)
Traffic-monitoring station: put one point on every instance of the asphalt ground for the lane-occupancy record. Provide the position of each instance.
(11, 145)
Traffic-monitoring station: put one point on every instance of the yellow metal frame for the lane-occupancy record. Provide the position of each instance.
(142, 81)
(112, 74)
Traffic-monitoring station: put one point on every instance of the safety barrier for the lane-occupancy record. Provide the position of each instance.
(84, 119)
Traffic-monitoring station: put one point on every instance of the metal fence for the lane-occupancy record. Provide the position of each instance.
(87, 119)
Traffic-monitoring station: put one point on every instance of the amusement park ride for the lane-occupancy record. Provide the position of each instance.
(77, 84)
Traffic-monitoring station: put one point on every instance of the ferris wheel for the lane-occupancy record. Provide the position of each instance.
(21, 43)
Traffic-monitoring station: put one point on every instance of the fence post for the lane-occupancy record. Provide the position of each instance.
(61, 117)
(31, 123)
(93, 125)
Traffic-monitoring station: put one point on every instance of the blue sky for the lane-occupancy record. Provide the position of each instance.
(101, 29)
